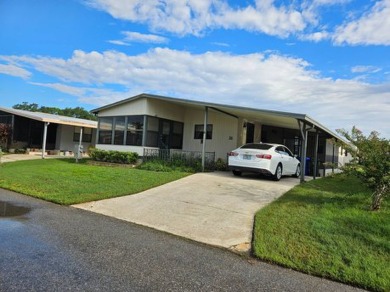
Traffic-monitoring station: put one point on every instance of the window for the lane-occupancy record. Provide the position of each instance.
(119, 133)
(134, 130)
(177, 135)
(198, 134)
(87, 135)
(105, 130)
(152, 132)
(130, 130)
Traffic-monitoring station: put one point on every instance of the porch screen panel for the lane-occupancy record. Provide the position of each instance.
(119, 134)
(177, 135)
(105, 130)
(152, 132)
(134, 130)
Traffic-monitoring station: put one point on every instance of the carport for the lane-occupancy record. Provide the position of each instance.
(38, 130)
(302, 123)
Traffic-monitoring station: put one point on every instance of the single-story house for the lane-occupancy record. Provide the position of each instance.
(47, 132)
(150, 122)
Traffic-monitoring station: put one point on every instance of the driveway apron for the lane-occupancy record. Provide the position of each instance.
(214, 208)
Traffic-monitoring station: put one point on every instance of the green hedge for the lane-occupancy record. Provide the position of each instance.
(114, 156)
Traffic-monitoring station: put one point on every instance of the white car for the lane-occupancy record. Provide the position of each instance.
(270, 159)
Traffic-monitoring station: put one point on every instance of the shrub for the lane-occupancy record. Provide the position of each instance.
(371, 162)
(114, 156)
(221, 165)
(166, 166)
(20, 151)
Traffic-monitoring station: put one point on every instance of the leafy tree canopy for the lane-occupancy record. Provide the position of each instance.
(77, 112)
(371, 162)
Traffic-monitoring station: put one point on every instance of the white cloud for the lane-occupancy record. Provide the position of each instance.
(10, 69)
(72, 90)
(370, 29)
(119, 43)
(316, 36)
(220, 44)
(260, 80)
(132, 36)
(197, 16)
(365, 69)
(276, 18)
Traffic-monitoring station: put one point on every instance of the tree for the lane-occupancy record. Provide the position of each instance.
(371, 162)
(77, 112)
(32, 107)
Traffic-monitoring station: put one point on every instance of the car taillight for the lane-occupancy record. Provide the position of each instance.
(233, 154)
(264, 156)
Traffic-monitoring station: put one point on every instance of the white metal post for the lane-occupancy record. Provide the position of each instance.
(206, 111)
(46, 124)
(79, 147)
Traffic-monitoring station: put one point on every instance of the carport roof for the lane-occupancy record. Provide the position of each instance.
(51, 118)
(268, 117)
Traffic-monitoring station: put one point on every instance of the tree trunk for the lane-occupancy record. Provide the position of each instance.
(377, 197)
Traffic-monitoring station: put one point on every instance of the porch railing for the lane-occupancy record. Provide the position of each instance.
(177, 156)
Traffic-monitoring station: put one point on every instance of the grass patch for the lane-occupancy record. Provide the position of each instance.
(324, 228)
(65, 182)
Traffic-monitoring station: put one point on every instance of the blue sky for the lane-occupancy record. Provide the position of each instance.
(329, 59)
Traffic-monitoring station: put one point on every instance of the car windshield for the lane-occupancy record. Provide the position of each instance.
(259, 146)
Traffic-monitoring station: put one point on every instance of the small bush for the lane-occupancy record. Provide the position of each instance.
(221, 165)
(166, 166)
(20, 151)
(114, 156)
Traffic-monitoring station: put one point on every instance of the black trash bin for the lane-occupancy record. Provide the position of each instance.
(307, 166)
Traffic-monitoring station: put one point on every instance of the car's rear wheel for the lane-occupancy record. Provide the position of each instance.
(298, 171)
(278, 172)
(237, 172)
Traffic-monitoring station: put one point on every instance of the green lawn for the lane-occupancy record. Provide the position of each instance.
(65, 182)
(324, 228)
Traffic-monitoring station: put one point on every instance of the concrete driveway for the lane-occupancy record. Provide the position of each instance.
(214, 208)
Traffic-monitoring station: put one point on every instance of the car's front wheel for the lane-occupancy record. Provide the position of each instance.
(297, 171)
(237, 173)
(278, 172)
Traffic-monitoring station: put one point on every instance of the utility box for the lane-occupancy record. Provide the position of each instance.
(78, 151)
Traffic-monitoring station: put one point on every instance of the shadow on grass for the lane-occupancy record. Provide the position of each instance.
(341, 201)
(72, 160)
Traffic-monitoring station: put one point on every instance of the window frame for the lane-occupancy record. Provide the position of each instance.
(198, 131)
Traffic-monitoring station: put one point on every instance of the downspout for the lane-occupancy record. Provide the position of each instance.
(206, 113)
(46, 124)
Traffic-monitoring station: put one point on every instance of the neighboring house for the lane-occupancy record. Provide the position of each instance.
(41, 131)
(149, 121)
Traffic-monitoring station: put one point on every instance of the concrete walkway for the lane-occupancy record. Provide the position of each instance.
(214, 208)
(19, 157)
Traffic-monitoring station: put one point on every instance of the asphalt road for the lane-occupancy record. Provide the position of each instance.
(56, 248)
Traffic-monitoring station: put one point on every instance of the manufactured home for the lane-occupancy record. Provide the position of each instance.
(146, 122)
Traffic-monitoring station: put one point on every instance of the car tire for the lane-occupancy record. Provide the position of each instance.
(297, 171)
(278, 172)
(237, 172)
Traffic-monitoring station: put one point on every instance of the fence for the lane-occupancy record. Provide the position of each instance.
(177, 156)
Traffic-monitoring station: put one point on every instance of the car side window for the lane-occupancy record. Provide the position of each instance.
(279, 150)
(288, 152)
